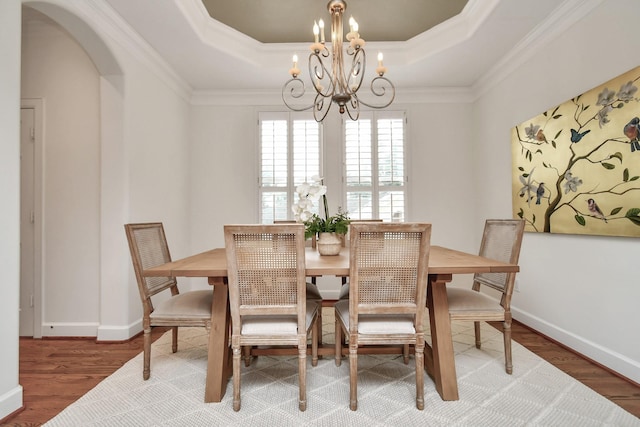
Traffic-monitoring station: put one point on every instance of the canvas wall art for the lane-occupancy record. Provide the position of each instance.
(576, 166)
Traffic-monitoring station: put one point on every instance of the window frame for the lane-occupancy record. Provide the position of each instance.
(290, 188)
(376, 188)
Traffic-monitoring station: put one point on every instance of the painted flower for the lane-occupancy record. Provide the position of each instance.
(532, 131)
(606, 97)
(571, 182)
(603, 118)
(528, 187)
(627, 91)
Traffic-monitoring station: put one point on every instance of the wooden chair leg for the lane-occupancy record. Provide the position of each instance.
(508, 363)
(302, 375)
(314, 342)
(405, 354)
(236, 376)
(476, 327)
(174, 339)
(146, 367)
(419, 359)
(353, 374)
(338, 340)
(247, 355)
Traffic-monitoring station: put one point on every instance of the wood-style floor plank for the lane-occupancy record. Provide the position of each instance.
(56, 372)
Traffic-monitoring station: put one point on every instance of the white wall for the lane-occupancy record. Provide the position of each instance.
(580, 290)
(10, 390)
(70, 89)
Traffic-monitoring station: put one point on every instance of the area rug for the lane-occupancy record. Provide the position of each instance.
(536, 394)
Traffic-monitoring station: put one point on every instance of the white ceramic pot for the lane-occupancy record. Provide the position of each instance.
(329, 244)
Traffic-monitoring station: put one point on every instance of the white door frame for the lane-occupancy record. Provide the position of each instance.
(37, 104)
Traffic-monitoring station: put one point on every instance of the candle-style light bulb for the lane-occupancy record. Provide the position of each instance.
(316, 31)
(380, 59)
(355, 26)
(351, 22)
(294, 71)
(321, 25)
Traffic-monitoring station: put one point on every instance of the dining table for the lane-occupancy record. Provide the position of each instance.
(439, 356)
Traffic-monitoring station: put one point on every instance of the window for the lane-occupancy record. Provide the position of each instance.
(290, 154)
(375, 166)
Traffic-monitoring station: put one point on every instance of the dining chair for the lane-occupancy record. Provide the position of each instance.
(267, 295)
(388, 270)
(501, 240)
(149, 248)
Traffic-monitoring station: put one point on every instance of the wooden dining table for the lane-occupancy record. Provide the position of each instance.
(439, 356)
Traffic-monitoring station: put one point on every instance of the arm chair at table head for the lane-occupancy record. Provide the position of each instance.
(501, 241)
(267, 295)
(387, 294)
(148, 247)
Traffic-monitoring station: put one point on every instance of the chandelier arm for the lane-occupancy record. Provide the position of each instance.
(356, 74)
(353, 108)
(320, 75)
(381, 91)
(321, 107)
(294, 88)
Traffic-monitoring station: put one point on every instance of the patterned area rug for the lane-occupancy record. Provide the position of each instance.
(537, 394)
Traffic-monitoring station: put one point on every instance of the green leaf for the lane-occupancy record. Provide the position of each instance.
(633, 212)
(520, 168)
(633, 215)
(557, 116)
(633, 178)
(625, 175)
(521, 213)
(533, 220)
(557, 134)
(615, 211)
(553, 143)
(539, 151)
(617, 155)
(608, 166)
(580, 219)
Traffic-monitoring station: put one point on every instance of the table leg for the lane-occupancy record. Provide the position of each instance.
(218, 359)
(444, 368)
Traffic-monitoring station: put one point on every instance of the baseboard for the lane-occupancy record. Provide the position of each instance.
(80, 329)
(119, 333)
(11, 403)
(618, 364)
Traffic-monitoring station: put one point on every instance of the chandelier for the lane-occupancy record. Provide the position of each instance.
(334, 86)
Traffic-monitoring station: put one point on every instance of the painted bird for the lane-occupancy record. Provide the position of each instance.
(539, 193)
(595, 209)
(577, 136)
(632, 131)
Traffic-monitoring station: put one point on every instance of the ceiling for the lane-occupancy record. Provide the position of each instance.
(291, 21)
(212, 56)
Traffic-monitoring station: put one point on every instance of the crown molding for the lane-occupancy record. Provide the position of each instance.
(568, 13)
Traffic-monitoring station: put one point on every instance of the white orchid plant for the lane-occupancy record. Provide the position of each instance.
(308, 194)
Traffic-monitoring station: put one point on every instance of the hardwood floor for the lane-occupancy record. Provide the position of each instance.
(56, 372)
